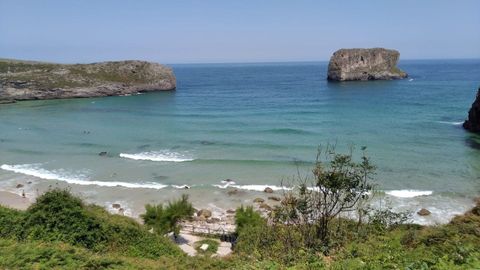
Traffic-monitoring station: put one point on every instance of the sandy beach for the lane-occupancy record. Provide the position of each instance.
(14, 200)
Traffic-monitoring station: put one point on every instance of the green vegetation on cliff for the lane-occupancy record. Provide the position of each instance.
(23, 80)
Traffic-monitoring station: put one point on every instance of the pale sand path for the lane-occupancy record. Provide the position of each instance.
(187, 241)
(13, 200)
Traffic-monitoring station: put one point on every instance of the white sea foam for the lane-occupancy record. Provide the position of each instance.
(411, 79)
(182, 186)
(158, 156)
(455, 123)
(78, 179)
(404, 193)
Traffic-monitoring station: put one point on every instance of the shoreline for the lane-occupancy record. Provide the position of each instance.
(222, 215)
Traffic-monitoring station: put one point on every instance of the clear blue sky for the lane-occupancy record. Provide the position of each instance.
(177, 31)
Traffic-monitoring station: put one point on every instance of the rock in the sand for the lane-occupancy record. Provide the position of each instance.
(204, 213)
(200, 218)
(268, 190)
(213, 220)
(234, 191)
(473, 122)
(19, 185)
(116, 206)
(423, 212)
(258, 200)
(231, 211)
(265, 206)
(121, 211)
(364, 64)
(274, 198)
(204, 247)
(103, 154)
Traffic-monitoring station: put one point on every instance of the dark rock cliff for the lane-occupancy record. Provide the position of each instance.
(473, 122)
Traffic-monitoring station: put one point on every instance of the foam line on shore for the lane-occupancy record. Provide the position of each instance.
(408, 193)
(35, 170)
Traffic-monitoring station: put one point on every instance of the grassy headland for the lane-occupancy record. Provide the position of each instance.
(23, 80)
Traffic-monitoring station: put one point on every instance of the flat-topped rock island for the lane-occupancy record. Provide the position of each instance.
(364, 64)
(27, 80)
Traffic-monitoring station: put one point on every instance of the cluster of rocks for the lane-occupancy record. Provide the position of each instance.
(118, 207)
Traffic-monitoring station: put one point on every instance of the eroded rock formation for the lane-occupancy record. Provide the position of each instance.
(364, 64)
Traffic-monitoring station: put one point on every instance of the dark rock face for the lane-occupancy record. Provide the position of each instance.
(364, 64)
(473, 122)
(24, 80)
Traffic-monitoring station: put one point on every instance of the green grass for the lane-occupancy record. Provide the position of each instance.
(212, 247)
(50, 76)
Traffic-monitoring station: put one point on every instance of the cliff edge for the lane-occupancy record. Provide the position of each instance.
(26, 80)
(364, 64)
(473, 122)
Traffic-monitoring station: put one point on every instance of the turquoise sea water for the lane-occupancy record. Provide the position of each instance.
(255, 124)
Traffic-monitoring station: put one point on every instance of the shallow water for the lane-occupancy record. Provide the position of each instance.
(256, 124)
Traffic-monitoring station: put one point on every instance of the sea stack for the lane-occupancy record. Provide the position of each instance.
(473, 122)
(25, 80)
(364, 64)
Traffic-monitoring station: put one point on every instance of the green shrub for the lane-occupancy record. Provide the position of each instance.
(247, 217)
(58, 216)
(10, 222)
(166, 219)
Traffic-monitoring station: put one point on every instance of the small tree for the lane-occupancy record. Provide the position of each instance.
(164, 219)
(339, 184)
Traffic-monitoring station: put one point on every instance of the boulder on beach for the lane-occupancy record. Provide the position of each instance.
(233, 191)
(258, 200)
(423, 212)
(116, 206)
(364, 64)
(204, 213)
(19, 186)
(473, 122)
(268, 190)
(274, 198)
(265, 206)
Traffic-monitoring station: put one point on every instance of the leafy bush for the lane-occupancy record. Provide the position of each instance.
(247, 217)
(58, 216)
(166, 219)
